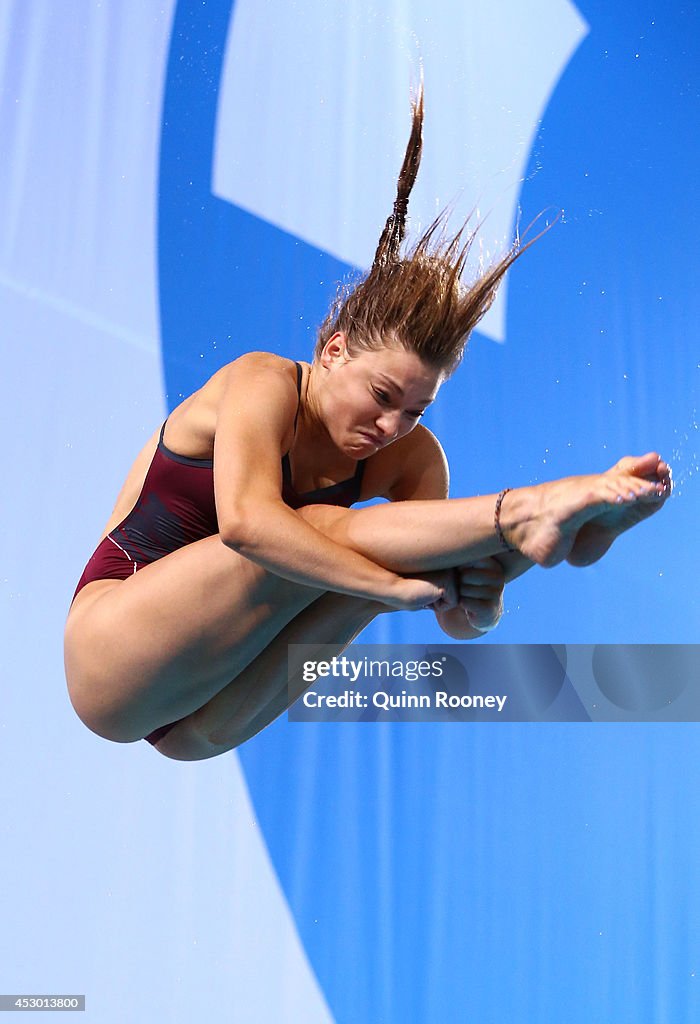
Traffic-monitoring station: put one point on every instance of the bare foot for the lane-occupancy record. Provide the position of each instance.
(545, 523)
(596, 536)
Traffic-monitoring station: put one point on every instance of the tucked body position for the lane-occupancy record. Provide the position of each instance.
(233, 535)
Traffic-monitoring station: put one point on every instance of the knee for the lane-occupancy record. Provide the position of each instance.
(326, 518)
(334, 522)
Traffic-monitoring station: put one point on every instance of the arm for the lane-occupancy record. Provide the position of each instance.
(479, 585)
(254, 428)
(426, 475)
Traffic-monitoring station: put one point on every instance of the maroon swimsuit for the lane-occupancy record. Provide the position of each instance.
(176, 507)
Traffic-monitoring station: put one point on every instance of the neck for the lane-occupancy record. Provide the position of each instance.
(311, 426)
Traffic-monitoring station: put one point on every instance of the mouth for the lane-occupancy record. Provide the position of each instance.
(371, 438)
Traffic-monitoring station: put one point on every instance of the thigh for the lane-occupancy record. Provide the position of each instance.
(155, 647)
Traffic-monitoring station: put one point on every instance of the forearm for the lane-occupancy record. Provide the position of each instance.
(283, 542)
(366, 552)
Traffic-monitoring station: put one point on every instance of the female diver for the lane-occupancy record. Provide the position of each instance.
(232, 536)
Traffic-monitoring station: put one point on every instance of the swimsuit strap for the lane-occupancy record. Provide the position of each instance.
(286, 468)
(299, 379)
(359, 473)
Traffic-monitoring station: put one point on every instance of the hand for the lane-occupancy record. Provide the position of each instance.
(481, 586)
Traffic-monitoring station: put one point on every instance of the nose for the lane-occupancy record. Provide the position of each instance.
(388, 423)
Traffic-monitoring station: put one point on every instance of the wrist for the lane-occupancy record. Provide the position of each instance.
(393, 593)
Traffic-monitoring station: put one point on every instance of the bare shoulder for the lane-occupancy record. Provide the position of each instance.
(251, 366)
(192, 424)
(261, 362)
(258, 369)
(259, 377)
(414, 467)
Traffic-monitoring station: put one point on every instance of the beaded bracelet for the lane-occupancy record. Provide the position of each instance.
(497, 520)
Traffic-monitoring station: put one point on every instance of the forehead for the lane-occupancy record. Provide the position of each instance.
(401, 367)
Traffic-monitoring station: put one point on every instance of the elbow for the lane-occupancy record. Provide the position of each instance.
(237, 530)
(249, 528)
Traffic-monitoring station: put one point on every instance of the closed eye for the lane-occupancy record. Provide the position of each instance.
(384, 398)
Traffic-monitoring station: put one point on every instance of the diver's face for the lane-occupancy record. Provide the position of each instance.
(373, 397)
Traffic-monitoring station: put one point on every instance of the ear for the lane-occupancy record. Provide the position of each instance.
(335, 351)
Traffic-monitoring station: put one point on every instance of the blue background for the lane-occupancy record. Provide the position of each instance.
(341, 872)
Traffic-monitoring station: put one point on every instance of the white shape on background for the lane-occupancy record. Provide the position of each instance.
(313, 114)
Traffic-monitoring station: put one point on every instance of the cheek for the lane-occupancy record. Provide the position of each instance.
(358, 410)
(345, 418)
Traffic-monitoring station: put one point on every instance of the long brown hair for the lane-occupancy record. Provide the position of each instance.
(417, 300)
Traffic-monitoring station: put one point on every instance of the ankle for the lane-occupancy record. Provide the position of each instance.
(514, 515)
